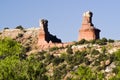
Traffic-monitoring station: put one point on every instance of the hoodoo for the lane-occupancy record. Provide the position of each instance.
(44, 36)
(87, 30)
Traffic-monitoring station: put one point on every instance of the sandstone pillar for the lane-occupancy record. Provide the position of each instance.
(43, 32)
(44, 36)
(87, 30)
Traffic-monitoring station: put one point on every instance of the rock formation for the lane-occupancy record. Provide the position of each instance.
(44, 36)
(88, 31)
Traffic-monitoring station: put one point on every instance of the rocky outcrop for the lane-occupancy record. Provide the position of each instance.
(44, 36)
(88, 31)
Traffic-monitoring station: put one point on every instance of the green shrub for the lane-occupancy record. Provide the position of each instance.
(53, 48)
(27, 49)
(14, 65)
(84, 73)
(92, 41)
(19, 27)
(6, 28)
(97, 63)
(20, 35)
(69, 58)
(82, 41)
(48, 59)
(104, 39)
(79, 57)
(57, 74)
(69, 50)
(87, 62)
(63, 56)
(100, 42)
(117, 55)
(57, 61)
(12, 68)
(111, 41)
(9, 47)
(117, 72)
(95, 52)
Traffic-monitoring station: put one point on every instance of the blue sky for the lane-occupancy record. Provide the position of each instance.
(64, 16)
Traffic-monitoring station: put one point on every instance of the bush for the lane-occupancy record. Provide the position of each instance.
(57, 61)
(59, 72)
(69, 50)
(12, 68)
(84, 73)
(20, 35)
(69, 58)
(117, 55)
(27, 49)
(82, 41)
(0, 33)
(6, 28)
(95, 52)
(49, 58)
(100, 42)
(104, 39)
(53, 48)
(110, 41)
(79, 57)
(117, 72)
(15, 65)
(92, 41)
(19, 27)
(9, 47)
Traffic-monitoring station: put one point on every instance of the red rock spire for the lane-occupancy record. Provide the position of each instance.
(87, 30)
(44, 36)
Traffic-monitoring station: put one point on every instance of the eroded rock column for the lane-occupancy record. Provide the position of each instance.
(87, 30)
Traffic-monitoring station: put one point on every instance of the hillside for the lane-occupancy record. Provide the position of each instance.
(83, 60)
(27, 37)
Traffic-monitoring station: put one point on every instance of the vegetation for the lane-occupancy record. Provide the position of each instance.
(15, 65)
(53, 48)
(20, 27)
(9, 47)
(6, 28)
(85, 73)
(102, 41)
(20, 35)
(88, 64)
(110, 40)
